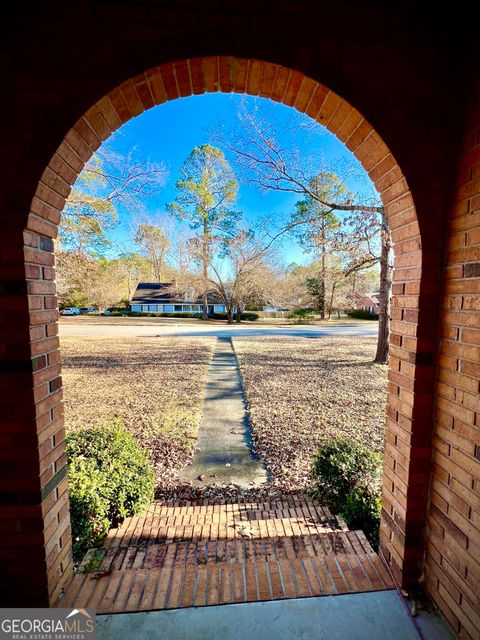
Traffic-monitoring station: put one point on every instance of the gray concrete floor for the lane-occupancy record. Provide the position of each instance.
(223, 449)
(377, 615)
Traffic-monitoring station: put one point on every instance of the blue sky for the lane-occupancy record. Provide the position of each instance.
(168, 133)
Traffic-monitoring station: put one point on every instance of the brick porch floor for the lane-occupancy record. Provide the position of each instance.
(175, 556)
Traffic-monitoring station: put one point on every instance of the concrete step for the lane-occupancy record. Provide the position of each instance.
(376, 615)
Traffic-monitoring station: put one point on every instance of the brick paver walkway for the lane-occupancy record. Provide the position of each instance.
(180, 556)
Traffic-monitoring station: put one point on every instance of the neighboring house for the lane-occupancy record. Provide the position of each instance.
(369, 302)
(275, 312)
(160, 297)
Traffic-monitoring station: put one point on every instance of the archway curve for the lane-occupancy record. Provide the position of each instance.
(403, 502)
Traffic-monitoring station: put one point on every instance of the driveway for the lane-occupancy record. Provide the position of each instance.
(81, 328)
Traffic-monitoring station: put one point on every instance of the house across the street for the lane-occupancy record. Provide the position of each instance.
(370, 302)
(271, 311)
(161, 297)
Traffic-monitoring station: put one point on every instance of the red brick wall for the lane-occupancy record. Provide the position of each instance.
(391, 66)
(411, 365)
(34, 518)
(452, 568)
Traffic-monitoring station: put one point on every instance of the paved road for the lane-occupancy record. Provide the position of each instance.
(226, 331)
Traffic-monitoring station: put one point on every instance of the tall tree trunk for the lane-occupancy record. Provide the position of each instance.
(158, 271)
(205, 302)
(229, 314)
(238, 314)
(205, 270)
(322, 277)
(384, 296)
(334, 286)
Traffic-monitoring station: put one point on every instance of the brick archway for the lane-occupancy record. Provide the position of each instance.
(409, 410)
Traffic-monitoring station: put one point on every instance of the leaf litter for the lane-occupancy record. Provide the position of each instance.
(300, 392)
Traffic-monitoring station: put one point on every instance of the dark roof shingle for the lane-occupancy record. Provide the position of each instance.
(164, 293)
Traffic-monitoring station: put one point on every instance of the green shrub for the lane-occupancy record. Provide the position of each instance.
(361, 314)
(110, 478)
(348, 477)
(301, 316)
(221, 315)
(164, 314)
(88, 507)
(362, 510)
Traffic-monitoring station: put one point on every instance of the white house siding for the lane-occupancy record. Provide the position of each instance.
(173, 308)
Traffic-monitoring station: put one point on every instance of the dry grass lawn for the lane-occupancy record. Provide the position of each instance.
(155, 385)
(302, 391)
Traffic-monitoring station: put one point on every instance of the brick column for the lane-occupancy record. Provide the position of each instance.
(35, 537)
(452, 563)
(409, 422)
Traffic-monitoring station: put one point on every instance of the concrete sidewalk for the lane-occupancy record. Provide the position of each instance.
(377, 615)
(224, 455)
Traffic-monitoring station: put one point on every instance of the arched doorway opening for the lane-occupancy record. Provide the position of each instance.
(407, 449)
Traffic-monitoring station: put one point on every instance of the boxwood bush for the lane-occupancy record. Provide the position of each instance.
(363, 508)
(110, 478)
(347, 476)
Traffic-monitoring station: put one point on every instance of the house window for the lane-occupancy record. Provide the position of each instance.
(178, 307)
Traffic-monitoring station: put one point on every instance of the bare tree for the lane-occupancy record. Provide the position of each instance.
(84, 280)
(182, 255)
(249, 272)
(261, 160)
(155, 246)
(240, 267)
(133, 268)
(109, 182)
